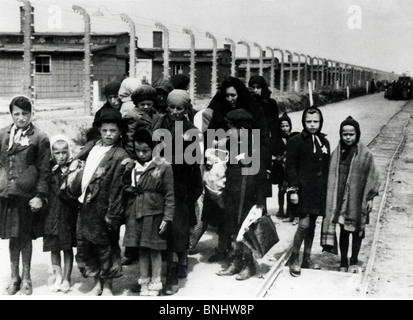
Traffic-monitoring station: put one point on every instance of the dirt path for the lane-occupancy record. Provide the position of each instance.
(392, 276)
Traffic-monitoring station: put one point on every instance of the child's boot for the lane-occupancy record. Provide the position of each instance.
(26, 287)
(144, 283)
(234, 267)
(171, 286)
(55, 280)
(249, 269)
(155, 287)
(14, 286)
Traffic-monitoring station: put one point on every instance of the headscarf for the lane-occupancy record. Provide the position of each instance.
(265, 93)
(285, 117)
(128, 86)
(178, 98)
(55, 139)
(314, 136)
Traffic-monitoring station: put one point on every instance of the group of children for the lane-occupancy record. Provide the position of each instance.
(117, 179)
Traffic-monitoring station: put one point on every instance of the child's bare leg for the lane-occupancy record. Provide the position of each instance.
(107, 287)
(57, 271)
(155, 286)
(144, 277)
(98, 286)
(67, 270)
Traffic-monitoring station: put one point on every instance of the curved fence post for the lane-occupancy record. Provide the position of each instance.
(248, 74)
(261, 69)
(214, 75)
(272, 75)
(291, 70)
(233, 48)
(192, 85)
(281, 68)
(132, 44)
(165, 49)
(88, 76)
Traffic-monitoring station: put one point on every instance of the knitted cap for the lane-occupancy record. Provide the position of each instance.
(180, 81)
(240, 118)
(109, 115)
(178, 98)
(144, 92)
(112, 88)
(351, 122)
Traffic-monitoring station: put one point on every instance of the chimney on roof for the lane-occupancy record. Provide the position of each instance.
(22, 19)
(157, 39)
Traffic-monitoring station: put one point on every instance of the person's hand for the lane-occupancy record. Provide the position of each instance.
(163, 227)
(369, 205)
(294, 198)
(36, 204)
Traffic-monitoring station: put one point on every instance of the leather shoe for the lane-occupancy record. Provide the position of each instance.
(295, 270)
(308, 264)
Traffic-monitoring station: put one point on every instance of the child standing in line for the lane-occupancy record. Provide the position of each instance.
(60, 220)
(101, 211)
(278, 175)
(308, 156)
(24, 175)
(150, 208)
(353, 182)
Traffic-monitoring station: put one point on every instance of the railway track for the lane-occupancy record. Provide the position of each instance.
(385, 146)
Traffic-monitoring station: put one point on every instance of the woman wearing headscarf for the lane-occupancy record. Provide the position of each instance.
(232, 96)
(187, 183)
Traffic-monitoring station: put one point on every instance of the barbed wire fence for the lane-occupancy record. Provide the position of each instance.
(286, 74)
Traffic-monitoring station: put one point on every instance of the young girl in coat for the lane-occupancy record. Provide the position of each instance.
(353, 182)
(61, 217)
(278, 175)
(150, 208)
(101, 210)
(24, 175)
(308, 157)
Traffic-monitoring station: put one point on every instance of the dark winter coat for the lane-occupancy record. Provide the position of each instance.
(279, 152)
(308, 171)
(154, 194)
(188, 188)
(26, 166)
(105, 193)
(62, 210)
(241, 193)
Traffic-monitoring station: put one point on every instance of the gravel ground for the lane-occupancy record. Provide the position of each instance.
(371, 111)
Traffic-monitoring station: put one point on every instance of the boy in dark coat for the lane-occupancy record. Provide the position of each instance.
(101, 212)
(308, 156)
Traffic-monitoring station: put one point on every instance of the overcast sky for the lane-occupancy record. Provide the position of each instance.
(379, 35)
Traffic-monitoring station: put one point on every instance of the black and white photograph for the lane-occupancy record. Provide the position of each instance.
(236, 150)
